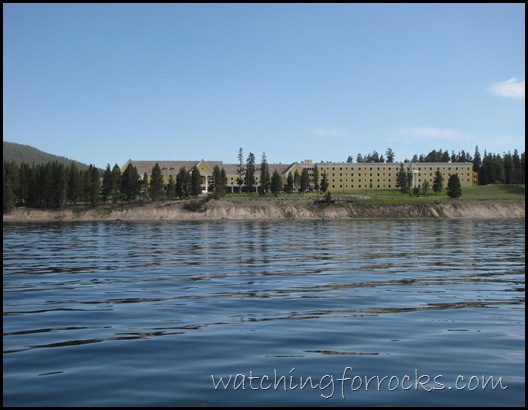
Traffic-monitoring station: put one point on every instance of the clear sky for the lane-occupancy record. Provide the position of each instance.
(102, 83)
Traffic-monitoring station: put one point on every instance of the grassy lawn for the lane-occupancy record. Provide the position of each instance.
(392, 196)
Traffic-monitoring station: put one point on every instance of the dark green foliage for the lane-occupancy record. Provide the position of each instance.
(249, 179)
(316, 178)
(219, 182)
(130, 186)
(289, 184)
(390, 156)
(32, 156)
(116, 184)
(324, 182)
(328, 198)
(198, 204)
(107, 186)
(477, 160)
(73, 189)
(296, 180)
(425, 188)
(402, 181)
(144, 190)
(156, 183)
(276, 183)
(171, 188)
(183, 182)
(305, 181)
(240, 169)
(438, 182)
(264, 175)
(196, 182)
(9, 186)
(454, 190)
(94, 186)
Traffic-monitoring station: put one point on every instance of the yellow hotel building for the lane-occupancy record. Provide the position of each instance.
(341, 176)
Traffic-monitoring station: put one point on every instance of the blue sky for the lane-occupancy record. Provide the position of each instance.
(102, 83)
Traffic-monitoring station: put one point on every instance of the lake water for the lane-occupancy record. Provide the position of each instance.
(341, 313)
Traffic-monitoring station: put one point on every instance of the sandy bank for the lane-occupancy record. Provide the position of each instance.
(273, 210)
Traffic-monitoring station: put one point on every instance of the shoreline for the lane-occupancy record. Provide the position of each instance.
(263, 209)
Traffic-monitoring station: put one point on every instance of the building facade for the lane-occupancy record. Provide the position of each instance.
(341, 176)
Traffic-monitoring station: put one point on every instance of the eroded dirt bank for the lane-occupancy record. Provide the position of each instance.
(273, 210)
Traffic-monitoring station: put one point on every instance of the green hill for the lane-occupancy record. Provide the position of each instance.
(25, 153)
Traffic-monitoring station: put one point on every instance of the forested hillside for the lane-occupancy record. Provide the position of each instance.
(32, 156)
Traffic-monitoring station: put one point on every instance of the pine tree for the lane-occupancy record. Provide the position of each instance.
(219, 182)
(107, 186)
(182, 183)
(156, 183)
(240, 169)
(317, 187)
(438, 182)
(24, 186)
(249, 179)
(390, 156)
(143, 184)
(324, 182)
(130, 183)
(223, 180)
(425, 188)
(296, 180)
(454, 190)
(305, 181)
(276, 183)
(402, 181)
(477, 161)
(95, 184)
(264, 175)
(116, 184)
(171, 188)
(8, 186)
(196, 182)
(60, 184)
(289, 184)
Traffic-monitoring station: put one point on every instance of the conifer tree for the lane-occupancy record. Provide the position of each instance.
(276, 183)
(171, 188)
(196, 182)
(107, 186)
(296, 180)
(249, 179)
(454, 190)
(240, 170)
(156, 183)
(130, 183)
(402, 182)
(438, 182)
(305, 181)
(264, 175)
(116, 184)
(324, 182)
(289, 184)
(316, 178)
(182, 183)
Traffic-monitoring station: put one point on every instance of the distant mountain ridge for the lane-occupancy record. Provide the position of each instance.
(30, 155)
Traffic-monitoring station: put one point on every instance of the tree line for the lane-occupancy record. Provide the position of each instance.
(54, 184)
